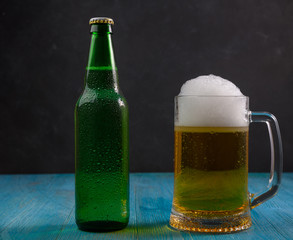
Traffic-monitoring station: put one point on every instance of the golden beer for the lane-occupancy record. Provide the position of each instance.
(211, 118)
(211, 172)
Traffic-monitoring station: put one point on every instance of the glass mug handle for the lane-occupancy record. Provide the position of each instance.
(276, 156)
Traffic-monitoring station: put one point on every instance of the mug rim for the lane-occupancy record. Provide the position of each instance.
(212, 96)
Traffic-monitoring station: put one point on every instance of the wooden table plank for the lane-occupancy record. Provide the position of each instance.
(41, 206)
(34, 206)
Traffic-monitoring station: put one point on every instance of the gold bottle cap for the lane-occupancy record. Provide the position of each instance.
(97, 20)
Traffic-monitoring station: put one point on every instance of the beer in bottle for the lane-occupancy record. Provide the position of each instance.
(101, 139)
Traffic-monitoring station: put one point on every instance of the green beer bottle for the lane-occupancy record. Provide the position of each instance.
(101, 139)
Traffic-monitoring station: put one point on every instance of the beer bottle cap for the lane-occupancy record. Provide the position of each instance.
(97, 20)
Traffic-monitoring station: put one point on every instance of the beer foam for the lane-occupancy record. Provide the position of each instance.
(211, 101)
(210, 85)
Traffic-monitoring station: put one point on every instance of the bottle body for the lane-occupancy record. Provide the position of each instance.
(101, 153)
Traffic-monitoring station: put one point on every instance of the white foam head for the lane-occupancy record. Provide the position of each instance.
(211, 101)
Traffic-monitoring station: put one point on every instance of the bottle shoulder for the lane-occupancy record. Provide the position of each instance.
(101, 97)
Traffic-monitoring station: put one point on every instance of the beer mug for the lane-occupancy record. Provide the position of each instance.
(211, 163)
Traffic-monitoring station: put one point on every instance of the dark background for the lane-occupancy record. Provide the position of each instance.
(158, 46)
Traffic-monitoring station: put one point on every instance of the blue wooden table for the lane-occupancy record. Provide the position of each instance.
(42, 207)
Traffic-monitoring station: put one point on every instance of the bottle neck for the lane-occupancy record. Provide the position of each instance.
(101, 68)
